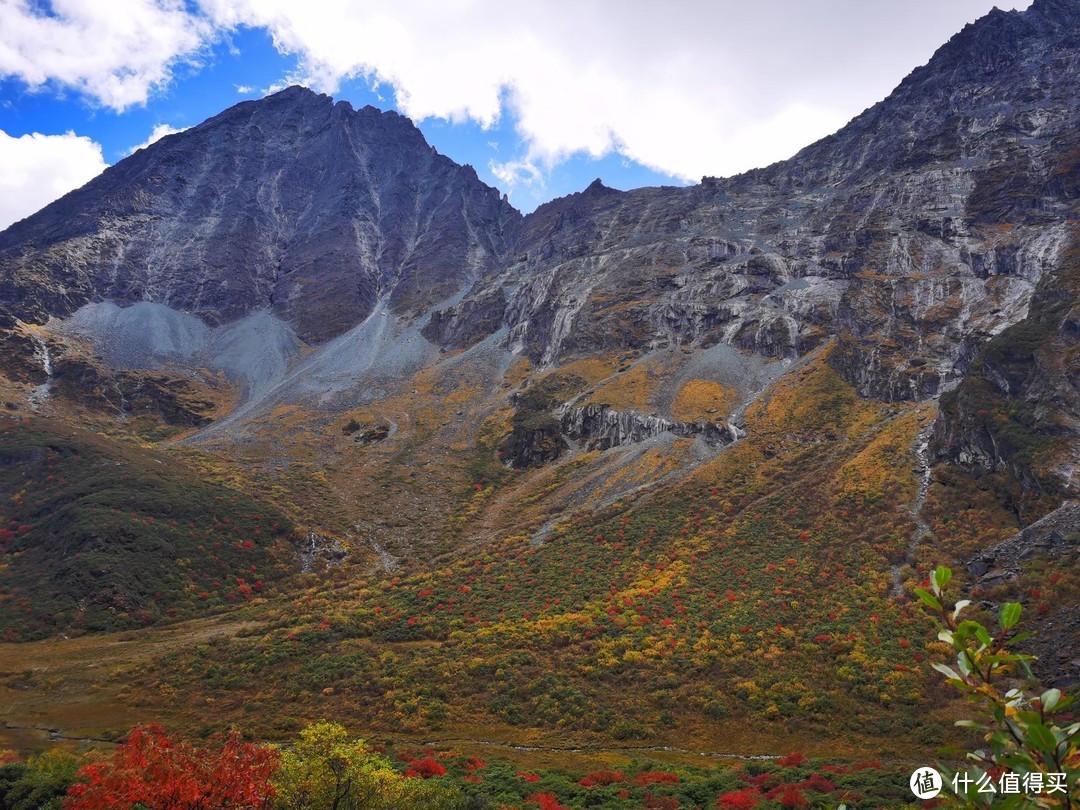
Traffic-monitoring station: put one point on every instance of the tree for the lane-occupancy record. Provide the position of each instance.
(38, 784)
(152, 771)
(1023, 735)
(326, 770)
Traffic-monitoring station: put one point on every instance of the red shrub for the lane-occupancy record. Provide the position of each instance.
(547, 801)
(425, 768)
(475, 764)
(763, 781)
(152, 770)
(817, 783)
(789, 796)
(739, 799)
(793, 760)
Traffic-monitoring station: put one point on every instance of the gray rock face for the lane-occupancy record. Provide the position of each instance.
(912, 237)
(601, 427)
(293, 203)
(1018, 407)
(467, 323)
(533, 446)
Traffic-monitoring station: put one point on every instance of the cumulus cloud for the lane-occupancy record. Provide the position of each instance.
(156, 134)
(37, 169)
(686, 87)
(512, 173)
(115, 53)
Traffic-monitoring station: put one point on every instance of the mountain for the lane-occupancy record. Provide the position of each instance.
(592, 463)
(292, 204)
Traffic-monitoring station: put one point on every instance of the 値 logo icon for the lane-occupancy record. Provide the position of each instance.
(925, 783)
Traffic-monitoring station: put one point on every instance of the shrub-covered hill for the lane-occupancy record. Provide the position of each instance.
(765, 598)
(96, 534)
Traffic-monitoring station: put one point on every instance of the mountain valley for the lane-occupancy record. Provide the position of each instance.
(302, 420)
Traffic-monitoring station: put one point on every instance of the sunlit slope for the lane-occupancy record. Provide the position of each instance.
(755, 594)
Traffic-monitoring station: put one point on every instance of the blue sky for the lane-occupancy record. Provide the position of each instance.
(245, 66)
(540, 98)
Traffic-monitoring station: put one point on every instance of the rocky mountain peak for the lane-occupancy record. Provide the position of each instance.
(291, 203)
(597, 187)
(1058, 12)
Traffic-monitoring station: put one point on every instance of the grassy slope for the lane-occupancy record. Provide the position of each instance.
(750, 605)
(748, 609)
(99, 534)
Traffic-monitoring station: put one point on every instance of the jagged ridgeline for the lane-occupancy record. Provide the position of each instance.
(601, 450)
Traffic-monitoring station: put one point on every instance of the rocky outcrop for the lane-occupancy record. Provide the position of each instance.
(467, 323)
(543, 436)
(1054, 535)
(1018, 407)
(319, 552)
(22, 356)
(365, 434)
(533, 446)
(600, 427)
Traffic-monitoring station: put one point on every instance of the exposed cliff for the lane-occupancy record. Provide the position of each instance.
(600, 427)
(914, 234)
(1018, 409)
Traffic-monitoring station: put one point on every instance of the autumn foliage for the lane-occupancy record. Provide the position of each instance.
(153, 771)
(425, 768)
(739, 799)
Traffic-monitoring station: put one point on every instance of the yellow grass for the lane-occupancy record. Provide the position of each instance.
(703, 400)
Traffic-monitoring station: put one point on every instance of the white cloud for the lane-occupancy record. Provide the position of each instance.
(114, 52)
(156, 134)
(245, 89)
(37, 169)
(687, 87)
(512, 173)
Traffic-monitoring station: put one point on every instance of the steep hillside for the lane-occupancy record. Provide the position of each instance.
(100, 535)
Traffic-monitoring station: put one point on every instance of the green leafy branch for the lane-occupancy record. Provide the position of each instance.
(1023, 734)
